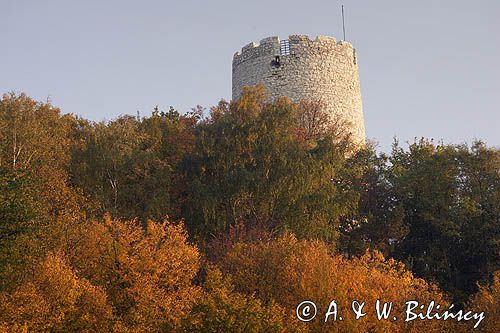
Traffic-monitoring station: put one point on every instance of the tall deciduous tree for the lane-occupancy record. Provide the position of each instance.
(127, 166)
(35, 141)
(449, 195)
(436, 207)
(251, 165)
(34, 157)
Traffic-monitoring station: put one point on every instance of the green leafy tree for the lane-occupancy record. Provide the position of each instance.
(434, 206)
(128, 165)
(252, 164)
(18, 218)
(379, 221)
(450, 198)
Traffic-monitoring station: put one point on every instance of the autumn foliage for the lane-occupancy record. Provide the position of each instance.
(288, 271)
(226, 222)
(111, 275)
(488, 300)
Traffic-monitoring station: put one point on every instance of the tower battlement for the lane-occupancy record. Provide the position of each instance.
(299, 44)
(303, 68)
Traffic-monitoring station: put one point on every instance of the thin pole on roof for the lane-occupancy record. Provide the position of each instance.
(343, 21)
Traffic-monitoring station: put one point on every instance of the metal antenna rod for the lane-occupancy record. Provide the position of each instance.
(343, 21)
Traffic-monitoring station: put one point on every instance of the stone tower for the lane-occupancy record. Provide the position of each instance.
(301, 68)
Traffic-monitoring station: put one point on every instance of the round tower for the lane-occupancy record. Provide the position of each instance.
(301, 68)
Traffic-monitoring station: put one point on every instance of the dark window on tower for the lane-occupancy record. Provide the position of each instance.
(276, 62)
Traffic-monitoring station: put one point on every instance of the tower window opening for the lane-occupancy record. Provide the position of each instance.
(285, 47)
(276, 61)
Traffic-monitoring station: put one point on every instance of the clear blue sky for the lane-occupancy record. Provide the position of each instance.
(427, 68)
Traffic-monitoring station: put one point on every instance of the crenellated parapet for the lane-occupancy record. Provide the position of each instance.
(299, 45)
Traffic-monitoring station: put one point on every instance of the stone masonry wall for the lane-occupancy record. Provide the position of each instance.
(314, 69)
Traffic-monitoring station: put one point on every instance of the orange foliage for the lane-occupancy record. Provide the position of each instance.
(288, 271)
(148, 274)
(488, 300)
(56, 299)
(144, 275)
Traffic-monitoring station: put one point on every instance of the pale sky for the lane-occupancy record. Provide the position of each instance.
(427, 68)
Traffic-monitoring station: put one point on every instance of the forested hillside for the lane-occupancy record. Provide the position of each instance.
(226, 221)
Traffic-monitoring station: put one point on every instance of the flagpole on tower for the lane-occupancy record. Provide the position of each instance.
(343, 21)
